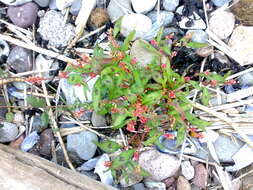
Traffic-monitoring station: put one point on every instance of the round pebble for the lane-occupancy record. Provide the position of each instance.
(140, 7)
(170, 5)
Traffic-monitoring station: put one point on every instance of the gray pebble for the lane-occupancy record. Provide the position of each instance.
(168, 17)
(170, 5)
(98, 120)
(52, 5)
(115, 11)
(220, 3)
(139, 186)
(20, 59)
(199, 36)
(246, 79)
(8, 132)
(75, 7)
(82, 144)
(42, 3)
(24, 15)
(30, 141)
(3, 110)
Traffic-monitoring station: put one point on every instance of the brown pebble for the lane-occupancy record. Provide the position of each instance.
(204, 51)
(45, 143)
(183, 184)
(16, 144)
(98, 17)
(201, 176)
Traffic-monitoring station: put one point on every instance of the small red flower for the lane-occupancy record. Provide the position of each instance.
(146, 128)
(169, 136)
(115, 110)
(161, 50)
(231, 82)
(108, 164)
(164, 65)
(136, 156)
(153, 42)
(63, 74)
(172, 94)
(187, 79)
(77, 84)
(173, 54)
(213, 83)
(207, 73)
(130, 126)
(170, 36)
(79, 113)
(192, 129)
(92, 75)
(143, 120)
(134, 61)
(35, 79)
(122, 64)
(120, 55)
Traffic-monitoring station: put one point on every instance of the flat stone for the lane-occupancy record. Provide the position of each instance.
(140, 7)
(8, 132)
(138, 22)
(241, 43)
(166, 14)
(20, 59)
(170, 5)
(159, 165)
(143, 56)
(183, 184)
(187, 170)
(222, 24)
(117, 9)
(82, 144)
(24, 15)
(201, 176)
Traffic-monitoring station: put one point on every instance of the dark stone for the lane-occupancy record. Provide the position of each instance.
(45, 143)
(3, 110)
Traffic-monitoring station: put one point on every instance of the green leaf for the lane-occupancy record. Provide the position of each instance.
(45, 119)
(195, 45)
(9, 117)
(201, 124)
(96, 95)
(157, 76)
(75, 78)
(117, 27)
(144, 173)
(180, 134)
(108, 146)
(205, 97)
(154, 86)
(127, 41)
(152, 97)
(36, 102)
(98, 51)
(153, 137)
(122, 159)
(149, 47)
(118, 120)
(159, 35)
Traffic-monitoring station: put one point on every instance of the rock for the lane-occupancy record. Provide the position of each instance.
(4, 50)
(62, 4)
(52, 5)
(117, 9)
(45, 142)
(15, 2)
(168, 17)
(169, 181)
(17, 143)
(220, 3)
(42, 3)
(20, 85)
(20, 59)
(139, 186)
(205, 51)
(183, 184)
(170, 5)
(30, 141)
(98, 120)
(75, 7)
(98, 17)
(246, 79)
(201, 176)
(241, 44)
(134, 178)
(19, 118)
(8, 132)
(43, 64)
(159, 165)
(199, 36)
(138, 22)
(24, 15)
(143, 56)
(243, 12)
(105, 175)
(140, 7)
(155, 185)
(194, 22)
(82, 144)
(222, 24)
(225, 148)
(187, 170)
(3, 110)
(236, 184)
(52, 27)
(89, 165)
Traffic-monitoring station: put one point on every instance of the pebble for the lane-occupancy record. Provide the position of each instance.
(159, 165)
(89, 165)
(199, 36)
(42, 3)
(115, 11)
(166, 14)
(62, 4)
(183, 184)
(170, 5)
(82, 144)
(103, 172)
(20, 59)
(201, 176)
(43, 64)
(194, 22)
(4, 50)
(30, 141)
(143, 56)
(8, 132)
(17, 143)
(98, 17)
(139, 186)
(98, 120)
(24, 15)
(45, 142)
(205, 51)
(225, 148)
(3, 110)
(187, 170)
(222, 24)
(220, 3)
(75, 7)
(53, 29)
(52, 5)
(155, 185)
(241, 43)
(134, 178)
(15, 2)
(169, 181)
(246, 79)
(140, 7)
(138, 22)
